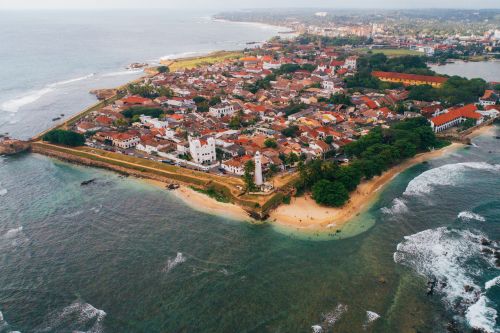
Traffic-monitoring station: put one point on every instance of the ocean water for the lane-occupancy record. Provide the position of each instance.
(120, 255)
(487, 70)
(50, 60)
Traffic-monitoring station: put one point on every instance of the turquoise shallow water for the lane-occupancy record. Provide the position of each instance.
(122, 256)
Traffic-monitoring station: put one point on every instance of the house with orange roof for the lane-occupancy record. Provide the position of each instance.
(456, 116)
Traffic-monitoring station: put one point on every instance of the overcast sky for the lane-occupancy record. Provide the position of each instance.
(235, 4)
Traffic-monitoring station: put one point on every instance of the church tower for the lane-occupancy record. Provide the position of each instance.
(258, 169)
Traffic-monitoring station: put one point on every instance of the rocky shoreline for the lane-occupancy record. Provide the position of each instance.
(11, 147)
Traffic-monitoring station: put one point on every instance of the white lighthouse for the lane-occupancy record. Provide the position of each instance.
(258, 169)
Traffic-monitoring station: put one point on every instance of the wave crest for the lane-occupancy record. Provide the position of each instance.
(445, 175)
(76, 317)
(455, 259)
(467, 216)
(173, 262)
(13, 105)
(398, 207)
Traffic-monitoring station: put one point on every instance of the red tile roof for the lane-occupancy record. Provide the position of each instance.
(468, 111)
(410, 77)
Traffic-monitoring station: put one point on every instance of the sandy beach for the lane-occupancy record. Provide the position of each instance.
(304, 213)
(203, 203)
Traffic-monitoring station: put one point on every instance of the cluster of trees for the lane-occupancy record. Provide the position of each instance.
(372, 154)
(142, 110)
(265, 83)
(248, 176)
(380, 62)
(149, 91)
(163, 69)
(291, 131)
(337, 98)
(454, 91)
(334, 41)
(64, 137)
(270, 143)
(294, 108)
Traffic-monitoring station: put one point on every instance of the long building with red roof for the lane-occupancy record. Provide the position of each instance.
(410, 79)
(455, 116)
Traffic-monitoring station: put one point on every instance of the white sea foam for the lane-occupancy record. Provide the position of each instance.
(76, 317)
(398, 207)
(454, 258)
(81, 78)
(481, 316)
(182, 55)
(492, 282)
(317, 328)
(370, 318)
(13, 105)
(468, 216)
(173, 262)
(122, 73)
(332, 317)
(12, 233)
(3, 192)
(446, 175)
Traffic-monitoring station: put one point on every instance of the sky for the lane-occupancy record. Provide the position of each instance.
(236, 4)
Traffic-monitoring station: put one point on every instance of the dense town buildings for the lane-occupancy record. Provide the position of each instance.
(274, 106)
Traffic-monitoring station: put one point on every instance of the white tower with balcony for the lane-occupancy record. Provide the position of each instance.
(258, 169)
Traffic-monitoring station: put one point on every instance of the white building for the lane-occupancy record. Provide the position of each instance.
(351, 62)
(273, 64)
(202, 150)
(221, 110)
(258, 169)
(153, 122)
(328, 85)
(125, 140)
(496, 35)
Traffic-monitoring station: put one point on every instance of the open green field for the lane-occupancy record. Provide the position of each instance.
(209, 59)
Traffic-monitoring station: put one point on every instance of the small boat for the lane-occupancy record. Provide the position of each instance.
(173, 186)
(87, 182)
(56, 118)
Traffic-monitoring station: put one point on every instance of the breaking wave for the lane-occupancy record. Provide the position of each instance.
(3, 192)
(173, 262)
(330, 318)
(76, 317)
(122, 73)
(370, 318)
(398, 207)
(493, 282)
(183, 55)
(15, 104)
(467, 216)
(481, 316)
(454, 259)
(448, 174)
(12, 233)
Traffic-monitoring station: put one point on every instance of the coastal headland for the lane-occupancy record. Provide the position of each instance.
(225, 195)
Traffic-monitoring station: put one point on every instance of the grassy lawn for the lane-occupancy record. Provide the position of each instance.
(392, 52)
(212, 58)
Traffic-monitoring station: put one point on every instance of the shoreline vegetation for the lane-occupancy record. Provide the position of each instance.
(200, 191)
